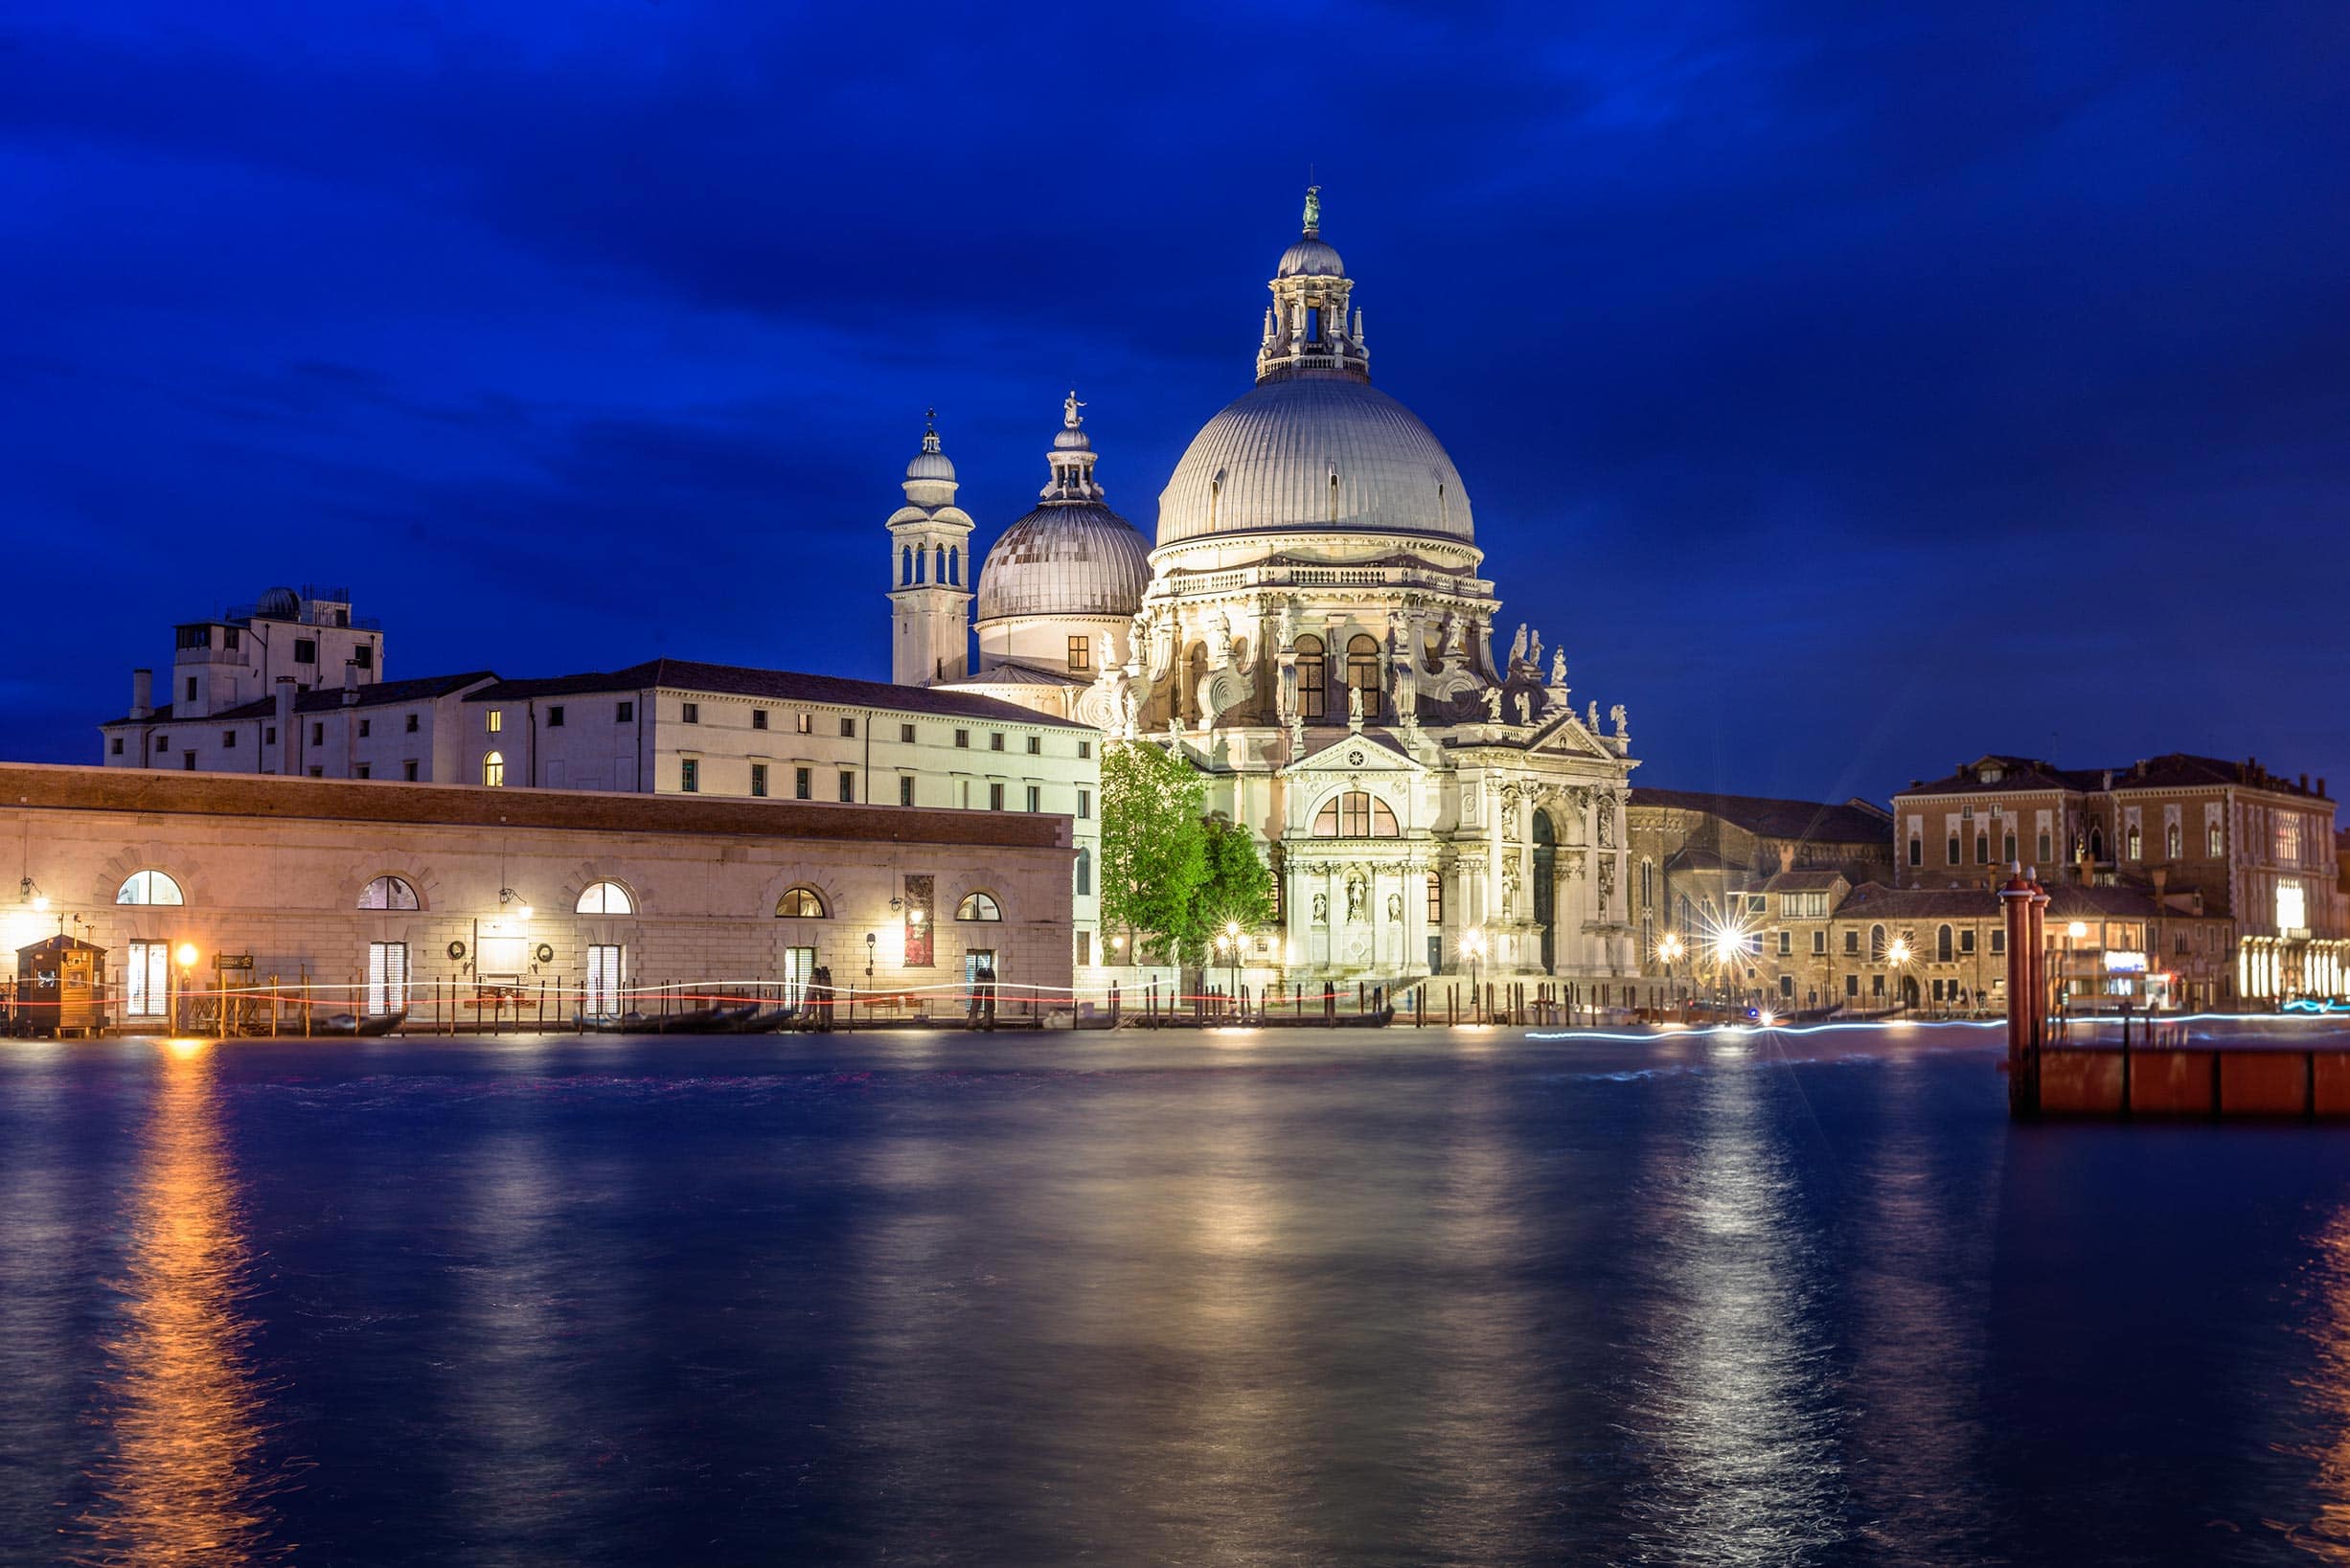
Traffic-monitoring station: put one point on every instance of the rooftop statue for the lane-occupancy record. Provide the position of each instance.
(1314, 209)
(1069, 407)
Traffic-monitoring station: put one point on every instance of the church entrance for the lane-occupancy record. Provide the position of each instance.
(1546, 887)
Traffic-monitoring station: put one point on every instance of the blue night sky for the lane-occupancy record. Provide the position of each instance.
(1850, 389)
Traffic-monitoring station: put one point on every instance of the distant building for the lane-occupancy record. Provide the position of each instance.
(1704, 860)
(2247, 845)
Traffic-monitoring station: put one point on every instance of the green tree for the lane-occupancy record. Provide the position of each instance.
(1237, 890)
(1153, 846)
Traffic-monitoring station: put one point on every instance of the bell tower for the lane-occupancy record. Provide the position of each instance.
(930, 569)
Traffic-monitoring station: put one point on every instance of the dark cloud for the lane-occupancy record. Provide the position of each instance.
(1847, 386)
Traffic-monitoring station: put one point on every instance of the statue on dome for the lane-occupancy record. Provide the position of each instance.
(1456, 636)
(1313, 210)
(1069, 407)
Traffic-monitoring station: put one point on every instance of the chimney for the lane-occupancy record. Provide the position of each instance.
(2109, 779)
(289, 735)
(1786, 859)
(351, 682)
(2304, 783)
(2321, 794)
(143, 693)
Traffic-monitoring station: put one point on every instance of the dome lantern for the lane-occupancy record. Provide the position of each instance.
(1308, 331)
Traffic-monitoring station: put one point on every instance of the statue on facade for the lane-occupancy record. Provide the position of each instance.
(1518, 645)
(1595, 715)
(1534, 650)
(1557, 667)
(1622, 728)
(1289, 623)
(1321, 909)
(1395, 906)
(1353, 707)
(1525, 708)
(1220, 638)
(1492, 704)
(1456, 636)
(1354, 895)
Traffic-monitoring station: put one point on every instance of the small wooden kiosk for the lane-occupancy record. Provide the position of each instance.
(61, 986)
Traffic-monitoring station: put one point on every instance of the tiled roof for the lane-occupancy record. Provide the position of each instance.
(2066, 901)
(327, 700)
(42, 785)
(1817, 822)
(2174, 770)
(778, 685)
(1810, 880)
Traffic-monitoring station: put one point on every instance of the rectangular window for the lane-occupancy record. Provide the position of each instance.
(1917, 852)
(315, 772)
(409, 769)
(689, 776)
(1786, 943)
(555, 717)
(306, 651)
(1819, 943)
(759, 718)
(366, 770)
(162, 743)
(1982, 848)
(496, 721)
(905, 733)
(1036, 798)
(995, 797)
(848, 788)
(364, 655)
(1080, 653)
(1085, 806)
(1436, 899)
(228, 740)
(146, 980)
(847, 728)
(689, 714)
(1966, 939)
(604, 982)
(191, 689)
(1036, 745)
(1852, 985)
(1787, 986)
(318, 735)
(1999, 939)
(187, 763)
(995, 742)
(624, 713)
(367, 726)
(804, 723)
(1953, 850)
(2046, 849)
(1084, 749)
(905, 790)
(412, 723)
(759, 779)
(1084, 948)
(387, 977)
(117, 746)
(269, 735)
(799, 970)
(963, 740)
(194, 637)
(1852, 941)
(803, 786)
(2007, 849)
(2211, 841)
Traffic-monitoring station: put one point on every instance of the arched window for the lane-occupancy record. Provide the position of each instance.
(2134, 843)
(1354, 813)
(1084, 874)
(606, 898)
(493, 769)
(148, 887)
(906, 566)
(2096, 843)
(1648, 884)
(955, 563)
(800, 903)
(938, 564)
(1311, 678)
(1362, 672)
(978, 906)
(2170, 841)
(1942, 945)
(389, 892)
(1876, 944)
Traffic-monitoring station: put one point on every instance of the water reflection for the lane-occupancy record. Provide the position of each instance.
(2328, 1535)
(182, 1479)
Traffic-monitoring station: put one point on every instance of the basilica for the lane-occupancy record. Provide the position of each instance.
(1311, 630)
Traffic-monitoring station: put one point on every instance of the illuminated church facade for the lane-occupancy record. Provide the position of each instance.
(1311, 632)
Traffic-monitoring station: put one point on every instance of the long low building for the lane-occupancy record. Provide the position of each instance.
(383, 893)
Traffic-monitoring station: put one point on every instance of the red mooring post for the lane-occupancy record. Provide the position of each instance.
(2024, 995)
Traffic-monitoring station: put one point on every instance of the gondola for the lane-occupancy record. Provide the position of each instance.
(708, 1020)
(351, 1024)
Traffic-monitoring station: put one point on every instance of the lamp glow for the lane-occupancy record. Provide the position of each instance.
(187, 955)
(2077, 930)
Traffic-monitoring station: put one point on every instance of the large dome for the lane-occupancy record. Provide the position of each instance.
(1066, 559)
(1317, 452)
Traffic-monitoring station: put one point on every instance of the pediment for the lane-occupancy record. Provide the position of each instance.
(1351, 754)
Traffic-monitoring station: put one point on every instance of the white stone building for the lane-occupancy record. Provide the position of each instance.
(1313, 635)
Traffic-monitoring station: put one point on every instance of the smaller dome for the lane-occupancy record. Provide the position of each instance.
(1310, 257)
(1065, 560)
(1070, 439)
(932, 466)
(279, 605)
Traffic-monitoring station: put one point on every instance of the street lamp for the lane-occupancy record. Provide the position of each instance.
(512, 903)
(1668, 947)
(1897, 956)
(1231, 939)
(185, 955)
(1473, 947)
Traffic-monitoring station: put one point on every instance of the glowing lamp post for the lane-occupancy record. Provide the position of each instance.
(185, 956)
(1472, 949)
(2075, 932)
(1897, 956)
(1229, 944)
(1669, 948)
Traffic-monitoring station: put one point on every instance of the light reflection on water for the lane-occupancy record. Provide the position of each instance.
(184, 1478)
(1365, 1299)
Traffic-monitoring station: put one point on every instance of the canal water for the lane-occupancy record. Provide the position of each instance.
(1290, 1297)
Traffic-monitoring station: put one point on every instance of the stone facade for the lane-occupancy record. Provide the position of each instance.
(279, 869)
